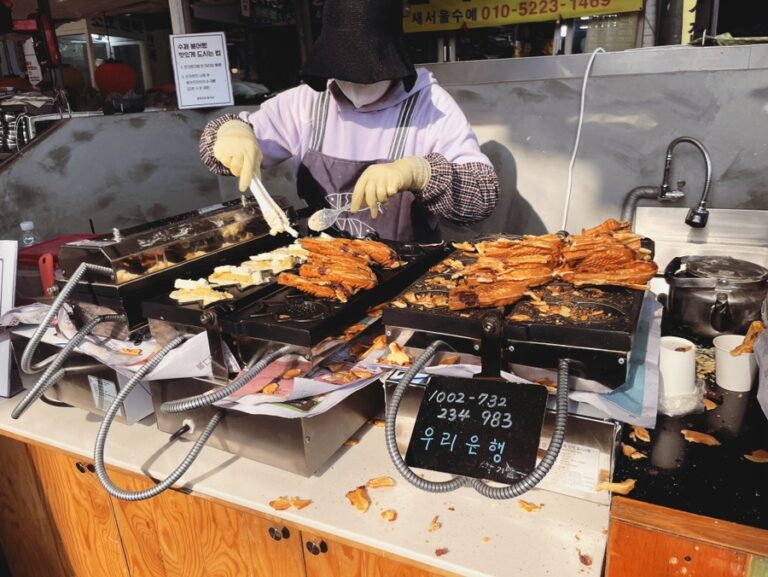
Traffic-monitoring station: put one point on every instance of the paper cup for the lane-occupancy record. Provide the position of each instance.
(733, 373)
(677, 364)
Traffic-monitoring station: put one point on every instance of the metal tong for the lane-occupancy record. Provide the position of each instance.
(276, 219)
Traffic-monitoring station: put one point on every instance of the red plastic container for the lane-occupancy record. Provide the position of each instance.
(37, 266)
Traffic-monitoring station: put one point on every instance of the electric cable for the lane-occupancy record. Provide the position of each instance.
(55, 372)
(29, 351)
(389, 429)
(553, 450)
(101, 437)
(569, 189)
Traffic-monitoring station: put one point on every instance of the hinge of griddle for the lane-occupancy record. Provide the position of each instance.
(491, 352)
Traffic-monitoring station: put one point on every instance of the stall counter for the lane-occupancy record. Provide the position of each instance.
(470, 535)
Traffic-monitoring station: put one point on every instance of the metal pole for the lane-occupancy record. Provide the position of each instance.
(181, 19)
(715, 16)
(89, 53)
(146, 70)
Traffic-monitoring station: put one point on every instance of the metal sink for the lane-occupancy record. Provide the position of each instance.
(742, 234)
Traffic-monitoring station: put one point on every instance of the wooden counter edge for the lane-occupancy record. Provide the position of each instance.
(431, 569)
(690, 525)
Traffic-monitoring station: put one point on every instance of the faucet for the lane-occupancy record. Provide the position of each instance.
(696, 217)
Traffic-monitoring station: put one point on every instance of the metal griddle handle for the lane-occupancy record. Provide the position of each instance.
(491, 346)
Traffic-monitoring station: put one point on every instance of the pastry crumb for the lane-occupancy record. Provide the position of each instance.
(389, 515)
(435, 524)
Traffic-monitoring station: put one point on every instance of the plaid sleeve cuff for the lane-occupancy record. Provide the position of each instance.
(462, 193)
(208, 139)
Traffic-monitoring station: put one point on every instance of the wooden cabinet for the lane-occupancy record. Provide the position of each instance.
(326, 557)
(81, 513)
(650, 540)
(641, 551)
(57, 521)
(276, 548)
(26, 533)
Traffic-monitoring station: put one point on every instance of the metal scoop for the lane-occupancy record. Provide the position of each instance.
(327, 217)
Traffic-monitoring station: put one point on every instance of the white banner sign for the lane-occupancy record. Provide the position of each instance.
(201, 69)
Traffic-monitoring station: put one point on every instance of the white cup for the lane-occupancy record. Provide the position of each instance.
(733, 373)
(677, 364)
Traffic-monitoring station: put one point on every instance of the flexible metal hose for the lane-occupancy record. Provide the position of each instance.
(53, 373)
(389, 431)
(101, 437)
(34, 342)
(558, 436)
(209, 398)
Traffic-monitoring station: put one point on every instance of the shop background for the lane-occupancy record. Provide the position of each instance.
(125, 170)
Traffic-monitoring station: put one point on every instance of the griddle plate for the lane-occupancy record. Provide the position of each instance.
(292, 317)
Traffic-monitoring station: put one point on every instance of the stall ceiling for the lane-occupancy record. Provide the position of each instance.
(76, 9)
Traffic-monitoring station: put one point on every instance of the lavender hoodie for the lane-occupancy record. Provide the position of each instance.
(463, 187)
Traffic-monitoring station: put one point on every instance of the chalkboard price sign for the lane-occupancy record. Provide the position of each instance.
(480, 429)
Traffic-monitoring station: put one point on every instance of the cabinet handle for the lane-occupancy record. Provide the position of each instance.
(80, 467)
(279, 534)
(317, 546)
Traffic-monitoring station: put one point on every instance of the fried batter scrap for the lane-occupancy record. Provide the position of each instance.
(439, 281)
(758, 456)
(389, 515)
(622, 488)
(380, 482)
(396, 356)
(359, 499)
(640, 434)
(465, 246)
(427, 299)
(747, 346)
(697, 437)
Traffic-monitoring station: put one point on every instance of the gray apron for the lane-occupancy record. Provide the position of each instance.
(326, 181)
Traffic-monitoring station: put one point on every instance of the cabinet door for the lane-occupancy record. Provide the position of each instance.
(199, 538)
(636, 551)
(326, 558)
(27, 536)
(176, 534)
(138, 528)
(82, 514)
(276, 548)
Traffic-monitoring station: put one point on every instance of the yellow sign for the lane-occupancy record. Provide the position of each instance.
(456, 14)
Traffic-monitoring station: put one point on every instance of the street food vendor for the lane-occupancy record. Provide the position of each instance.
(368, 129)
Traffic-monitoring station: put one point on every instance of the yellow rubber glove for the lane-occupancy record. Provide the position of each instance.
(381, 181)
(237, 149)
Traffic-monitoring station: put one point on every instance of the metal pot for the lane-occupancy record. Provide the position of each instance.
(713, 295)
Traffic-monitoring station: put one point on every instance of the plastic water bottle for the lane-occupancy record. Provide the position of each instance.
(28, 236)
